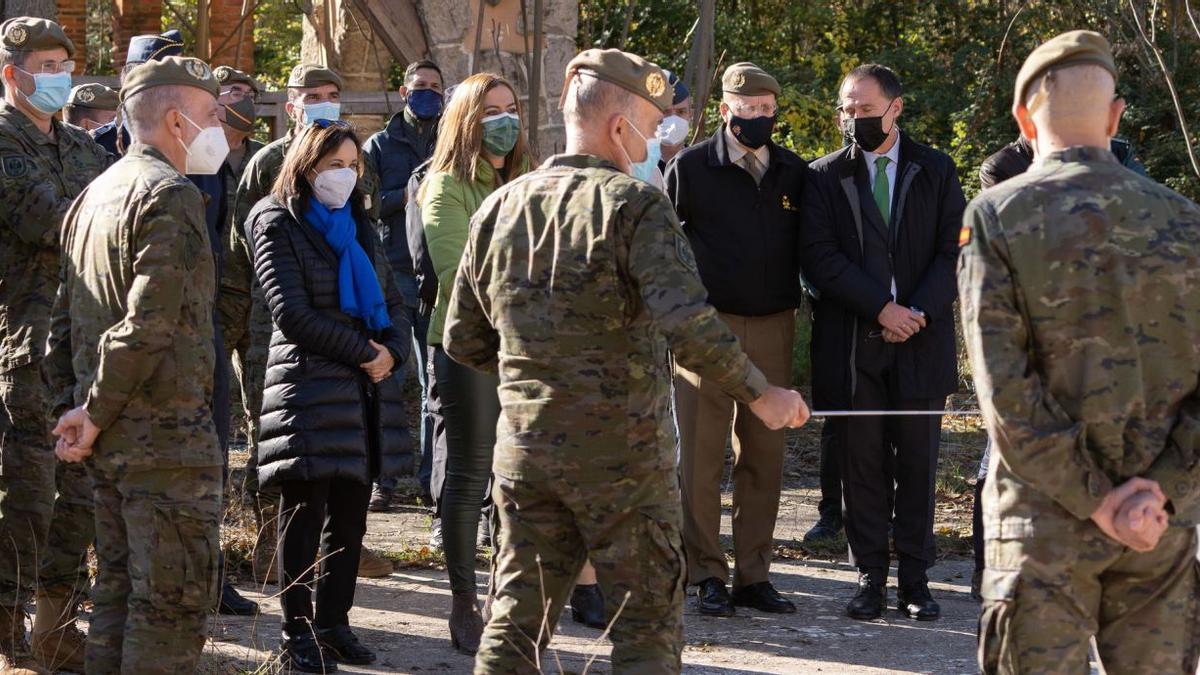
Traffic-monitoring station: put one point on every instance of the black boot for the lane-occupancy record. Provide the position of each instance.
(868, 603)
(233, 604)
(302, 654)
(916, 602)
(826, 529)
(587, 606)
(342, 644)
(466, 624)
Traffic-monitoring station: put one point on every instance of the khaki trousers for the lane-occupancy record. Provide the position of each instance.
(705, 414)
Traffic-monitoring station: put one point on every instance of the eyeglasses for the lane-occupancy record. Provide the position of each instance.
(236, 95)
(325, 124)
(52, 68)
(747, 110)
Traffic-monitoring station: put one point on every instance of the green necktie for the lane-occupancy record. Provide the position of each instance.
(883, 196)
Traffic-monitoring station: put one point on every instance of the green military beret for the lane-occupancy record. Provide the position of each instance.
(227, 76)
(95, 96)
(1075, 48)
(31, 34)
(747, 79)
(628, 71)
(172, 70)
(308, 75)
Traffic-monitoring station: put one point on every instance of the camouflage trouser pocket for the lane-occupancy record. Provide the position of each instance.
(183, 564)
(997, 637)
(664, 560)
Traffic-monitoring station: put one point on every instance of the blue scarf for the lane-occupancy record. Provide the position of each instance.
(358, 286)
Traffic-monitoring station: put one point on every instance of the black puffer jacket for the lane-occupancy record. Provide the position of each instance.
(321, 416)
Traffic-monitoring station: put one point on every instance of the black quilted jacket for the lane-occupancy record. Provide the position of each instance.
(321, 416)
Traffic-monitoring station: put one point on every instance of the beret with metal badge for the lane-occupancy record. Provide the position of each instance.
(95, 96)
(747, 79)
(308, 75)
(172, 70)
(31, 34)
(628, 71)
(1077, 47)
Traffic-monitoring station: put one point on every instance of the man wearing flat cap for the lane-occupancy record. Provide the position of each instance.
(1080, 290)
(879, 246)
(579, 331)
(313, 93)
(738, 196)
(44, 165)
(91, 106)
(131, 353)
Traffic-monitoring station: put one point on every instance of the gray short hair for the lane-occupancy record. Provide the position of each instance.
(589, 99)
(145, 110)
(15, 57)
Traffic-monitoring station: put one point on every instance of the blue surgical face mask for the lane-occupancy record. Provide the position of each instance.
(50, 91)
(646, 169)
(326, 110)
(425, 104)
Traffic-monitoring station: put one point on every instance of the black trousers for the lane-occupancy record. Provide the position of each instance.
(910, 445)
(470, 408)
(333, 514)
(830, 506)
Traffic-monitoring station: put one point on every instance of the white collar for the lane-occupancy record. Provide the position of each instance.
(893, 154)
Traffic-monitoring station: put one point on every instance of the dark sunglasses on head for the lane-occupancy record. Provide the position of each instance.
(325, 124)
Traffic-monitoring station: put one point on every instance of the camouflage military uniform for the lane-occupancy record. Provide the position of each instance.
(132, 341)
(39, 176)
(245, 318)
(585, 462)
(1080, 287)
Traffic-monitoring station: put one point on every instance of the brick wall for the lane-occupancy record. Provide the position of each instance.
(72, 16)
(130, 18)
(223, 23)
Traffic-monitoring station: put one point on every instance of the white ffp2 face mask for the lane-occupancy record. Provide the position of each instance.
(673, 130)
(333, 187)
(207, 151)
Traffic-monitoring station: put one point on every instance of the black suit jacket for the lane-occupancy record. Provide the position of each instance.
(927, 208)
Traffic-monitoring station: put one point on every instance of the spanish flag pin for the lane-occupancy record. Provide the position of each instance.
(964, 236)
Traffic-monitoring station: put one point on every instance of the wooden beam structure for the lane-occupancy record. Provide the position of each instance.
(398, 24)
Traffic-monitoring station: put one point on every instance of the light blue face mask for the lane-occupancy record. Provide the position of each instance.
(647, 168)
(50, 91)
(326, 110)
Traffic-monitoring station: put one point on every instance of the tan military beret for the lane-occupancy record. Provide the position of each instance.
(227, 75)
(628, 71)
(172, 70)
(747, 79)
(1075, 48)
(95, 96)
(308, 75)
(31, 34)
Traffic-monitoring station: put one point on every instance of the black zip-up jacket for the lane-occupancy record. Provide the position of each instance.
(746, 237)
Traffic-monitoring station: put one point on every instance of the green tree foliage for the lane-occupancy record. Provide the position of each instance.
(958, 82)
(277, 32)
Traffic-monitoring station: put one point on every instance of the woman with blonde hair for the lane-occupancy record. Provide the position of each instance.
(481, 145)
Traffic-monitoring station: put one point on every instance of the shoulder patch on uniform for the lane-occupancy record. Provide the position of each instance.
(964, 236)
(15, 166)
(683, 251)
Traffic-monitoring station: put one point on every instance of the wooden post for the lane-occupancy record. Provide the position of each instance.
(535, 77)
(202, 31)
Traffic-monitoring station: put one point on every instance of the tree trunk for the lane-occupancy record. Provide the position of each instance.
(46, 9)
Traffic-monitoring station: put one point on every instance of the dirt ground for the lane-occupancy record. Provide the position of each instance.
(403, 617)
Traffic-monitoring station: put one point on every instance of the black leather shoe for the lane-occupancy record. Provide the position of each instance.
(342, 644)
(302, 654)
(233, 604)
(827, 528)
(763, 597)
(712, 598)
(868, 603)
(587, 606)
(915, 602)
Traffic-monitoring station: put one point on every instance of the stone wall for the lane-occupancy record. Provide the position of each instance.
(449, 27)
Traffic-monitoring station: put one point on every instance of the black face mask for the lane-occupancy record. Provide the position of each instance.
(866, 132)
(752, 133)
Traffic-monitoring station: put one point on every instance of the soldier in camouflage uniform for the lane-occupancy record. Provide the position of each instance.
(44, 164)
(131, 345)
(1080, 288)
(313, 92)
(575, 282)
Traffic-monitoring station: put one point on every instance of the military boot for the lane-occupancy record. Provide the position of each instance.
(58, 644)
(15, 658)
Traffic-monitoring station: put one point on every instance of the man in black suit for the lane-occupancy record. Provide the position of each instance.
(880, 242)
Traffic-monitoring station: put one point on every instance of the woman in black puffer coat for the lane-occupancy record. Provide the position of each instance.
(332, 416)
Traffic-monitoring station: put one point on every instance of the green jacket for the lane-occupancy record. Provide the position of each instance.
(447, 205)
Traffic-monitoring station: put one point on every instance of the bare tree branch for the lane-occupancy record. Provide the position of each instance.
(1183, 127)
